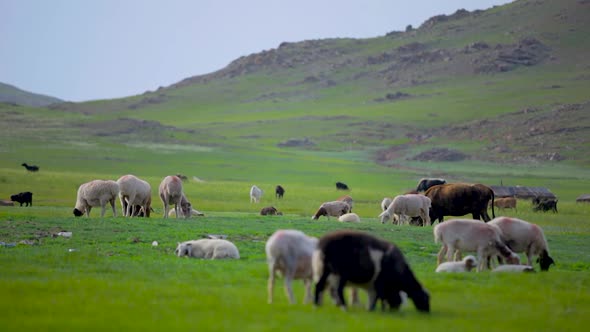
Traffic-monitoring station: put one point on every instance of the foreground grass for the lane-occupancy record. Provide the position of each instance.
(115, 279)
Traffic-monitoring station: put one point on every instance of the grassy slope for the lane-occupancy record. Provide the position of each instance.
(11, 94)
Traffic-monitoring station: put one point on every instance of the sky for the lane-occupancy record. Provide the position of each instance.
(103, 49)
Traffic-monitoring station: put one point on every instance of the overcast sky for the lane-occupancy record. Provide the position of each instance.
(99, 49)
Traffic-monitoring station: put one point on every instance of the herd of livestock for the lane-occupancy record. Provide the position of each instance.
(346, 257)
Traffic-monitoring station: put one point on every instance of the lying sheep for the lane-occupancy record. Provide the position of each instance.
(409, 205)
(207, 249)
(522, 236)
(194, 213)
(472, 235)
(466, 265)
(134, 192)
(334, 209)
(270, 211)
(289, 252)
(96, 193)
(514, 268)
(349, 217)
(171, 193)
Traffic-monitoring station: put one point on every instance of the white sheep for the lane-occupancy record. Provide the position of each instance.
(471, 235)
(522, 236)
(194, 213)
(96, 193)
(349, 217)
(133, 192)
(289, 252)
(207, 249)
(514, 268)
(466, 265)
(332, 209)
(171, 193)
(385, 203)
(255, 194)
(408, 205)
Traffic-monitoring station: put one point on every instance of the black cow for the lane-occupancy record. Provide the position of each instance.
(24, 197)
(368, 262)
(279, 191)
(341, 186)
(426, 183)
(459, 199)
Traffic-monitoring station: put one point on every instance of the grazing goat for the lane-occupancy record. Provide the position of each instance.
(466, 265)
(23, 198)
(270, 211)
(134, 192)
(332, 209)
(289, 252)
(366, 262)
(255, 194)
(30, 168)
(207, 249)
(279, 191)
(171, 193)
(522, 236)
(96, 193)
(409, 205)
(472, 235)
(341, 186)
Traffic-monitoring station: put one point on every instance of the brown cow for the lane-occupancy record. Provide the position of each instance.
(459, 199)
(505, 203)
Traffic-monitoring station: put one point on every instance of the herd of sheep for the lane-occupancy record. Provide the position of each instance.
(352, 258)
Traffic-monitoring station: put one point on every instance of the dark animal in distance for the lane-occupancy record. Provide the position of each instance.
(426, 183)
(545, 204)
(23, 198)
(270, 211)
(365, 261)
(459, 199)
(341, 186)
(30, 168)
(279, 191)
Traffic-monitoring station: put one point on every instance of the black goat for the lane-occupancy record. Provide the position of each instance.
(279, 191)
(30, 168)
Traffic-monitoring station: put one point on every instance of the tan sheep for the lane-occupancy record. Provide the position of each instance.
(134, 192)
(171, 193)
(96, 193)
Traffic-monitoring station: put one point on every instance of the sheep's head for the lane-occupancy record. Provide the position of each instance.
(183, 249)
(384, 216)
(470, 262)
(78, 213)
(545, 261)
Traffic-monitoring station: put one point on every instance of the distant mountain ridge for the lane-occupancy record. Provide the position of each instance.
(12, 95)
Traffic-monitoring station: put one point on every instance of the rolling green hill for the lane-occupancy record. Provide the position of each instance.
(12, 95)
(478, 96)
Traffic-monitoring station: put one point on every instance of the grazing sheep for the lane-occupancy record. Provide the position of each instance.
(194, 213)
(270, 211)
(366, 262)
(96, 193)
(279, 191)
(133, 192)
(255, 194)
(346, 199)
(334, 209)
(207, 249)
(385, 203)
(466, 265)
(514, 268)
(171, 193)
(341, 186)
(522, 236)
(30, 168)
(289, 252)
(472, 235)
(23, 198)
(349, 217)
(409, 205)
(505, 203)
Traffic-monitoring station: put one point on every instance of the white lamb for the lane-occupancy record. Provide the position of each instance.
(466, 265)
(133, 192)
(289, 252)
(171, 193)
(207, 249)
(522, 236)
(349, 217)
(408, 205)
(255, 194)
(194, 213)
(96, 193)
(471, 235)
(514, 268)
